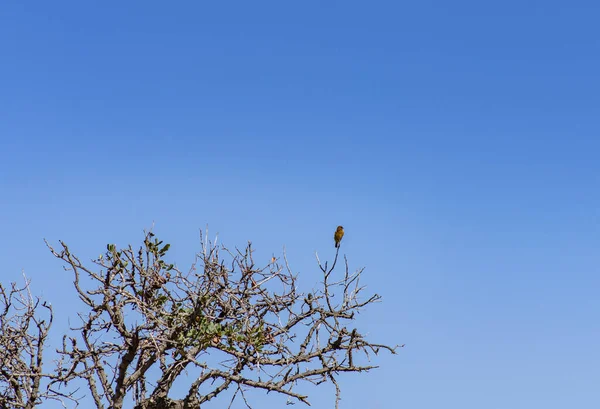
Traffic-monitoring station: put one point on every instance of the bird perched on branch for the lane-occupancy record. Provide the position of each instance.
(339, 233)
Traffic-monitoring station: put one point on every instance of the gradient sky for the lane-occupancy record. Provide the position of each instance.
(457, 142)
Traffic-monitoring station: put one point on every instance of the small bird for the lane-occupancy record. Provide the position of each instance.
(339, 233)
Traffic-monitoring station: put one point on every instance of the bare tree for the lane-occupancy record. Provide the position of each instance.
(235, 325)
(23, 335)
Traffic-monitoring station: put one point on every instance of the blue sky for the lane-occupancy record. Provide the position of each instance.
(457, 142)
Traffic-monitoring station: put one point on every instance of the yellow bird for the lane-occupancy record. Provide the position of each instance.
(339, 233)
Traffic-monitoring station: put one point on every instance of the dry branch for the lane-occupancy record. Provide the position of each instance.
(238, 325)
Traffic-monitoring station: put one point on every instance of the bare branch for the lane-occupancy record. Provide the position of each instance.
(236, 323)
(25, 322)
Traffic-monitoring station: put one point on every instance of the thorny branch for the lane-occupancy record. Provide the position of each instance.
(238, 325)
(23, 336)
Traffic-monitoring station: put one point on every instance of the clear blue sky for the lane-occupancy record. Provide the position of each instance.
(457, 142)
